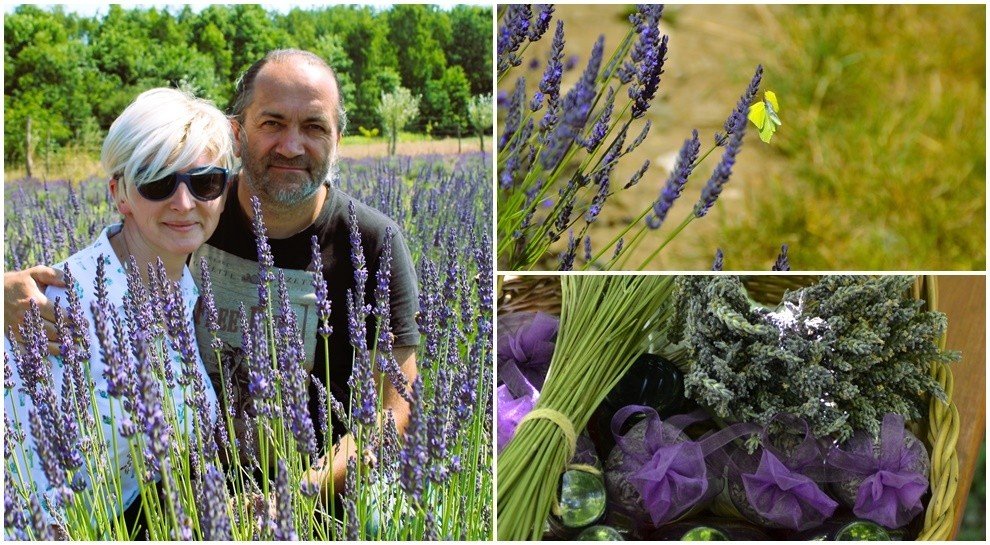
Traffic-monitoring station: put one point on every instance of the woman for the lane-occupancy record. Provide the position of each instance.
(169, 155)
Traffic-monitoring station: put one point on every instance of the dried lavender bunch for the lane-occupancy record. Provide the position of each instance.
(557, 156)
(852, 348)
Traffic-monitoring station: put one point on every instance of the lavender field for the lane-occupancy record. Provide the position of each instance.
(433, 483)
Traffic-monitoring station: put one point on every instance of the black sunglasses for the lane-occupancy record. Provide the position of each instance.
(204, 185)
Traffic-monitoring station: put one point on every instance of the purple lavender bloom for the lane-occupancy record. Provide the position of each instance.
(782, 263)
(265, 260)
(511, 35)
(148, 412)
(602, 177)
(211, 503)
(638, 175)
(675, 183)
(40, 419)
(513, 118)
(576, 107)
(33, 362)
(284, 528)
(320, 289)
(362, 380)
(600, 128)
(717, 264)
(587, 248)
(650, 66)
(542, 22)
(737, 121)
(618, 248)
(550, 84)
(357, 250)
(414, 456)
(14, 517)
(42, 532)
(209, 304)
(260, 386)
(639, 138)
(567, 258)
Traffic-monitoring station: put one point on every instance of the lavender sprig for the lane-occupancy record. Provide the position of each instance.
(737, 122)
(676, 182)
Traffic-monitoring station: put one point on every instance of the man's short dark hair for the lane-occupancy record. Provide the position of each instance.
(245, 84)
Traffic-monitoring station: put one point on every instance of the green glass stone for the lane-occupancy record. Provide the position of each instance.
(704, 533)
(582, 499)
(600, 533)
(862, 530)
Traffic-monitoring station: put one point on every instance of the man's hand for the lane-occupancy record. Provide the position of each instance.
(20, 288)
(326, 474)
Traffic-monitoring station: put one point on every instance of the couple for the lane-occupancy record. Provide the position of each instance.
(170, 157)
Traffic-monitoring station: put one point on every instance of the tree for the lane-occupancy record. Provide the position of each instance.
(397, 109)
(480, 115)
(471, 45)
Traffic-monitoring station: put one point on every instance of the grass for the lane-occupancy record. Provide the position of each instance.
(883, 140)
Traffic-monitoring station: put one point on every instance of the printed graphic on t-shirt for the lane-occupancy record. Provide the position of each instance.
(235, 281)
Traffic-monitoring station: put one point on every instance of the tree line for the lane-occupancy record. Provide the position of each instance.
(72, 75)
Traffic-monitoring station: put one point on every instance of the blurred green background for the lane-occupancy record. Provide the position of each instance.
(974, 522)
(880, 163)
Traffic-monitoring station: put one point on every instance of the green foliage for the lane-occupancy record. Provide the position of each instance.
(470, 47)
(73, 75)
(840, 353)
(445, 102)
(396, 110)
(480, 116)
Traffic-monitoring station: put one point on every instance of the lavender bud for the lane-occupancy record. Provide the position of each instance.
(782, 263)
(720, 176)
(717, 264)
(676, 182)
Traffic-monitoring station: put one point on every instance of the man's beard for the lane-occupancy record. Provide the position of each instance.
(276, 190)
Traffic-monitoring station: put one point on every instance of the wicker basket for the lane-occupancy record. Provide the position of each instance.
(940, 432)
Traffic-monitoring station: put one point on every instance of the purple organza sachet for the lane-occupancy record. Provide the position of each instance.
(525, 346)
(779, 485)
(882, 481)
(656, 473)
(511, 411)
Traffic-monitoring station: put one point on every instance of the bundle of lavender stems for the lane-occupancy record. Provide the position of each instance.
(603, 328)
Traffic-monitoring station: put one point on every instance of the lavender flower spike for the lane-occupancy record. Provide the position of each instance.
(550, 84)
(675, 183)
(782, 264)
(542, 23)
(718, 263)
(737, 123)
(512, 34)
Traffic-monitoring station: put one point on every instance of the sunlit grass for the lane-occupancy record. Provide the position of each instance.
(883, 140)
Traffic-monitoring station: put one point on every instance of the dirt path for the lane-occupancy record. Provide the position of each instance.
(710, 60)
(444, 147)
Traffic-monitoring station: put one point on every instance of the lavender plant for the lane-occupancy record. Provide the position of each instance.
(435, 481)
(557, 151)
(853, 348)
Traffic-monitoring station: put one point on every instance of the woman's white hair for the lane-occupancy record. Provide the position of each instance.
(164, 131)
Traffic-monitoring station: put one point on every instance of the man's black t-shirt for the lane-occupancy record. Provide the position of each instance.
(232, 257)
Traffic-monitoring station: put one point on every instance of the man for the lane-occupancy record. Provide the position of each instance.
(288, 119)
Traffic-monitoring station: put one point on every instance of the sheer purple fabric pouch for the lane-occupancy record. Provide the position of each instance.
(511, 410)
(883, 481)
(525, 346)
(779, 485)
(656, 473)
